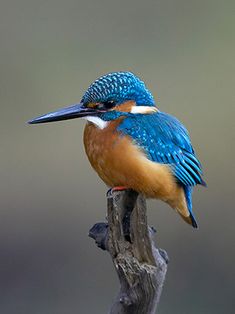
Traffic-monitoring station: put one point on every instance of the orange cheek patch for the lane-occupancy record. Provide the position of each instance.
(126, 106)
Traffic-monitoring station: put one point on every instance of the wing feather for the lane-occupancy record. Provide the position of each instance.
(165, 140)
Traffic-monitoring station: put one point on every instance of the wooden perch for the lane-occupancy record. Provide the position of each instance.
(140, 266)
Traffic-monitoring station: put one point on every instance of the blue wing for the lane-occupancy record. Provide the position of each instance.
(165, 140)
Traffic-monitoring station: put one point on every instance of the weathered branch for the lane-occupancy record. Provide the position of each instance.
(140, 266)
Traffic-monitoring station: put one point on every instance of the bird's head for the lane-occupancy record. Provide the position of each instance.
(107, 98)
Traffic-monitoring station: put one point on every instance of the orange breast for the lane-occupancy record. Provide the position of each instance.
(119, 162)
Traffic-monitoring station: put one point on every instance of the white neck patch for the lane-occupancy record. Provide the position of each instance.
(143, 109)
(101, 124)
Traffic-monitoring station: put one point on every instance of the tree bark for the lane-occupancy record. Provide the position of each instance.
(140, 266)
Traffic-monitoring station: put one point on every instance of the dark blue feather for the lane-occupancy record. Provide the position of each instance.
(118, 87)
(188, 195)
(165, 140)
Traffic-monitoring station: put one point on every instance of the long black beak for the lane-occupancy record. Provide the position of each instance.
(71, 112)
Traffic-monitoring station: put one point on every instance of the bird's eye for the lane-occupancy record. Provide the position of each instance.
(107, 104)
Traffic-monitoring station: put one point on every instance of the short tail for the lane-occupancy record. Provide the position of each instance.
(191, 218)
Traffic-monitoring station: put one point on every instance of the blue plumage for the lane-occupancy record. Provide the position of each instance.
(188, 195)
(161, 136)
(165, 140)
(118, 87)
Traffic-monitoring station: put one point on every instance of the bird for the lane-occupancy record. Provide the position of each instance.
(131, 144)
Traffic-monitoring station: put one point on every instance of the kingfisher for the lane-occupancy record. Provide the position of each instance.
(131, 144)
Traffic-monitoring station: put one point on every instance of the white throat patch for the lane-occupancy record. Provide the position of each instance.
(97, 121)
(143, 109)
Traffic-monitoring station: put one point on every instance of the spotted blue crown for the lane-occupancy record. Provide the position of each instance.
(119, 87)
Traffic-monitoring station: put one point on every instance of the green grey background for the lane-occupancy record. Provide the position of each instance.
(50, 51)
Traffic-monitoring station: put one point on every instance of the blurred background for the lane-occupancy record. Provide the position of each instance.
(50, 51)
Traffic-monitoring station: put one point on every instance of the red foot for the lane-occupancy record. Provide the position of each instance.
(119, 188)
(116, 188)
